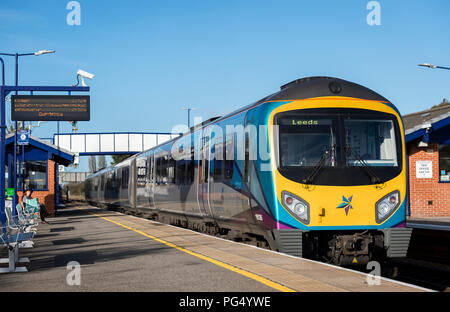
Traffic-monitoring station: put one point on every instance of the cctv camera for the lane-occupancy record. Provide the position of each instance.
(83, 75)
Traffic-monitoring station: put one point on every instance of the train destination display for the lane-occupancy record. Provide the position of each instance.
(50, 107)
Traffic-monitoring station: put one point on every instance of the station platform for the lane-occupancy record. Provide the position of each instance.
(120, 252)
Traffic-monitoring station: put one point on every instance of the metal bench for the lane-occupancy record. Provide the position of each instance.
(18, 232)
(11, 242)
(26, 217)
(22, 224)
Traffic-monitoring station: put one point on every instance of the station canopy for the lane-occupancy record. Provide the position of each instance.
(39, 148)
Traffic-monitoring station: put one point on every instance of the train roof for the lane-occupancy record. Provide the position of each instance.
(311, 87)
(323, 86)
(303, 88)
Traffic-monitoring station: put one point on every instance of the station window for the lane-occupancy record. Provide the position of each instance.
(34, 175)
(444, 163)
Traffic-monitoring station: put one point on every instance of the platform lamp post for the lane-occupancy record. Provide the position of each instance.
(16, 56)
(3, 71)
(189, 109)
(433, 66)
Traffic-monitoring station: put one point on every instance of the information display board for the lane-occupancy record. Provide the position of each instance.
(50, 107)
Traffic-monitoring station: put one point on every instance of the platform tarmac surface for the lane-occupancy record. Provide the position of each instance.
(120, 252)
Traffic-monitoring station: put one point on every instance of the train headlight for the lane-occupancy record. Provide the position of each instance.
(386, 206)
(298, 207)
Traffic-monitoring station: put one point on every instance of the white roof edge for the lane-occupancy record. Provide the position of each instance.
(431, 121)
(46, 143)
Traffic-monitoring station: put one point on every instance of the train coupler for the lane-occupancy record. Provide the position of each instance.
(350, 249)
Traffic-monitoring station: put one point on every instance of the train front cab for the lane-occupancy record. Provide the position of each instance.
(340, 208)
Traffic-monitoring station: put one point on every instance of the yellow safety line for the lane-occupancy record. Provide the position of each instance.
(253, 276)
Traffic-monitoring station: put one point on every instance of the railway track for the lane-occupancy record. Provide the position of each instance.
(430, 275)
(427, 264)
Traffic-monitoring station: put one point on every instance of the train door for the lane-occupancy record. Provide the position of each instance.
(249, 176)
(204, 177)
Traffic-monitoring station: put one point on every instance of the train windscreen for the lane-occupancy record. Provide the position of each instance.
(342, 142)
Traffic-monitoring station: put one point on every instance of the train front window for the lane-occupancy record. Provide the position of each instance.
(345, 139)
(372, 140)
(303, 142)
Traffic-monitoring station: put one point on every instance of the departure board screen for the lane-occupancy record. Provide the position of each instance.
(50, 107)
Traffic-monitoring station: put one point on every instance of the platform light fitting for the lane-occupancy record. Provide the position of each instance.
(41, 52)
(428, 65)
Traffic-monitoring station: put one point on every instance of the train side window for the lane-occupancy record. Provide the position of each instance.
(170, 169)
(190, 171)
(191, 166)
(247, 157)
(150, 169)
(206, 167)
(159, 170)
(164, 173)
(181, 172)
(229, 157)
(125, 176)
(205, 170)
(218, 160)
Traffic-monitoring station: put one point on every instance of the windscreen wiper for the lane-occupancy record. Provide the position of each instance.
(310, 178)
(373, 177)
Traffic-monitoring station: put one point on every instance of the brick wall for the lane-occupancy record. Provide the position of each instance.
(46, 197)
(424, 190)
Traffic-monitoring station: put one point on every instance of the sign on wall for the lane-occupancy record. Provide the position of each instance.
(50, 107)
(424, 169)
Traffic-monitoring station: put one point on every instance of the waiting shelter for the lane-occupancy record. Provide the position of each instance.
(37, 167)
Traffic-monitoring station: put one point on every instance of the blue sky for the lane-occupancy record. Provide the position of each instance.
(150, 58)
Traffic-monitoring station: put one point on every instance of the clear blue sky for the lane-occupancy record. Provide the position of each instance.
(150, 58)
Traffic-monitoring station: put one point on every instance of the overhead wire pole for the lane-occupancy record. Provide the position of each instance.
(16, 56)
(3, 71)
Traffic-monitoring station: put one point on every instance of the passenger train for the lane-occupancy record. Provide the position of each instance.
(316, 170)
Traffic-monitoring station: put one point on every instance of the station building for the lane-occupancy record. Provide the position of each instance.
(428, 147)
(37, 167)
